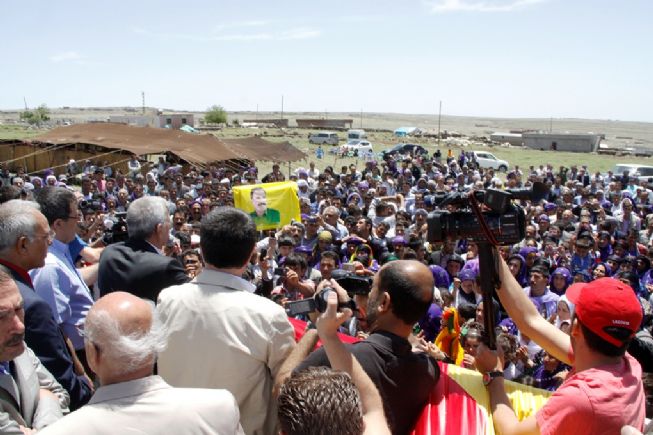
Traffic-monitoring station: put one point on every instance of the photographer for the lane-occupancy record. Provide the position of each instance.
(355, 409)
(292, 281)
(401, 293)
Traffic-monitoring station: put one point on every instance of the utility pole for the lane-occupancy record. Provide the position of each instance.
(439, 119)
(143, 98)
(25, 101)
(282, 107)
(361, 118)
(256, 112)
(551, 125)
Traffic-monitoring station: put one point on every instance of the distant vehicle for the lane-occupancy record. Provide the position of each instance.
(405, 148)
(357, 147)
(324, 137)
(487, 160)
(356, 135)
(642, 172)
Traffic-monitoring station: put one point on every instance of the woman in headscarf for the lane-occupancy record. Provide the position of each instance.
(517, 265)
(560, 280)
(363, 255)
(601, 270)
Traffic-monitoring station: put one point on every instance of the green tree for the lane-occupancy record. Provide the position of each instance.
(215, 115)
(37, 116)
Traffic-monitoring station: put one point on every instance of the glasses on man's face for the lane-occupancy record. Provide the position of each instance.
(75, 216)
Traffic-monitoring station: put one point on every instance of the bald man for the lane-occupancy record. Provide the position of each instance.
(122, 337)
(402, 292)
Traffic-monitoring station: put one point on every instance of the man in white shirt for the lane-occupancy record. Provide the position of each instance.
(222, 335)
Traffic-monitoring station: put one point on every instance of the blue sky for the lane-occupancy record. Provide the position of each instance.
(503, 58)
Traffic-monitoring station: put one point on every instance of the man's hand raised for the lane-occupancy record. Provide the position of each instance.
(329, 321)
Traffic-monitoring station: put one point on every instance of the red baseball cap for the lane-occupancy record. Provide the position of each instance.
(606, 302)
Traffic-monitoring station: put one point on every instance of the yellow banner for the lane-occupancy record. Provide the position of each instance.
(271, 205)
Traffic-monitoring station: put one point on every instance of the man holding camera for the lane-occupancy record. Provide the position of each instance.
(222, 335)
(402, 292)
(138, 265)
(604, 391)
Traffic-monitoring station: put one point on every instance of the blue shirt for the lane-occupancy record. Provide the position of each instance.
(59, 283)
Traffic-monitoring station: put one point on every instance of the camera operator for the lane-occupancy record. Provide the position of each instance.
(292, 281)
(401, 294)
(138, 265)
(317, 398)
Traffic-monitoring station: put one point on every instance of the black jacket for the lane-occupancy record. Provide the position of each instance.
(134, 266)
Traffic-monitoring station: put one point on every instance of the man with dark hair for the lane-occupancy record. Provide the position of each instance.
(604, 392)
(329, 261)
(7, 193)
(401, 294)
(539, 292)
(221, 334)
(262, 214)
(58, 281)
(293, 283)
(138, 265)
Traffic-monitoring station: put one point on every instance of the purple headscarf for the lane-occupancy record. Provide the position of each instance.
(568, 278)
(440, 276)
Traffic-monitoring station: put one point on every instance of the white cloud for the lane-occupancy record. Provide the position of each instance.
(66, 56)
(443, 6)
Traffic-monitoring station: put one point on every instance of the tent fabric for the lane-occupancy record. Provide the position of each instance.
(194, 148)
(257, 148)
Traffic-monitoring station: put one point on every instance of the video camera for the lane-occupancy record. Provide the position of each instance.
(500, 222)
(115, 230)
(317, 303)
(352, 283)
(505, 220)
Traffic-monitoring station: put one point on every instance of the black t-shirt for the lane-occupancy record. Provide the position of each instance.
(404, 379)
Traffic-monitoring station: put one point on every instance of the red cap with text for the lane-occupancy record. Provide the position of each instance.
(604, 303)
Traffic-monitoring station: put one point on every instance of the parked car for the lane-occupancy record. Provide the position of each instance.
(404, 148)
(324, 137)
(357, 147)
(642, 172)
(488, 160)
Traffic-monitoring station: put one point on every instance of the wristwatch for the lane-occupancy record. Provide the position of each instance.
(487, 377)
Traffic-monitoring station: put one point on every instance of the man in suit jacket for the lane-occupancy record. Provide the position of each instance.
(30, 398)
(122, 337)
(26, 237)
(138, 266)
(222, 335)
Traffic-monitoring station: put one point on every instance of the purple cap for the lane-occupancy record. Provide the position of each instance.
(543, 217)
(399, 240)
(467, 275)
(303, 249)
(528, 250)
(549, 206)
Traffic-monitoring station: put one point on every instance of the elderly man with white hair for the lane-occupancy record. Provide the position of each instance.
(138, 265)
(123, 336)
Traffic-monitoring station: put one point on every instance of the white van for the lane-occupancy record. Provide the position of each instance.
(356, 135)
(324, 137)
(642, 172)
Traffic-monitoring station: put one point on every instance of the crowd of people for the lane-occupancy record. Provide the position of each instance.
(104, 273)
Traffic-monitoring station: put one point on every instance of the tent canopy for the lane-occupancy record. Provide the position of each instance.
(194, 148)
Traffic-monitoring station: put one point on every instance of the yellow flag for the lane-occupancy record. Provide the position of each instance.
(271, 205)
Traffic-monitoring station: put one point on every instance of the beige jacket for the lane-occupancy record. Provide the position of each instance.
(221, 335)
